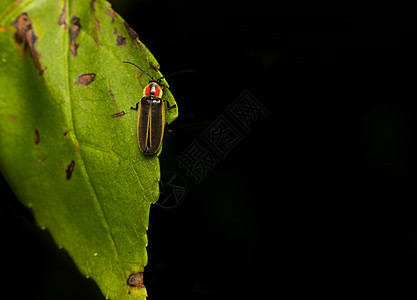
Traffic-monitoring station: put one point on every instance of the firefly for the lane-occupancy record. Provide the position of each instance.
(151, 116)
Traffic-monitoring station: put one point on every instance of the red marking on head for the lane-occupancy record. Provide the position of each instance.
(157, 92)
(147, 91)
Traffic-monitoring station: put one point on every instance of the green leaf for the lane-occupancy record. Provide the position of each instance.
(65, 149)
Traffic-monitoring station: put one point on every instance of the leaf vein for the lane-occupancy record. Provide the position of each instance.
(76, 145)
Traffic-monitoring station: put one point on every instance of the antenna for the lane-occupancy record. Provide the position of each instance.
(180, 72)
(128, 62)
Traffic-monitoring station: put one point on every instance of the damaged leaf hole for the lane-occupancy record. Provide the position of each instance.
(136, 281)
(86, 79)
(25, 35)
(69, 169)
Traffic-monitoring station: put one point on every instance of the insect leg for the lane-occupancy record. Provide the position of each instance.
(170, 106)
(135, 108)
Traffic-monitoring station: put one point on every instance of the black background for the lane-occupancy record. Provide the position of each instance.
(320, 197)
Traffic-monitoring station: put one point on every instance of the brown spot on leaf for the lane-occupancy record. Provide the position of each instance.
(26, 35)
(96, 21)
(61, 19)
(155, 67)
(114, 100)
(119, 114)
(74, 32)
(120, 40)
(134, 36)
(131, 32)
(136, 280)
(69, 169)
(13, 118)
(86, 79)
(65, 133)
(36, 136)
(111, 13)
(22, 24)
